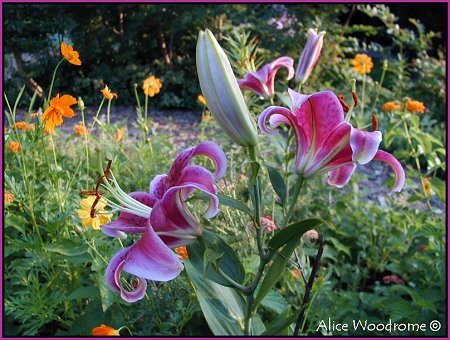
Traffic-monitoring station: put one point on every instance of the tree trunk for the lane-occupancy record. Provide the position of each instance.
(163, 45)
(31, 83)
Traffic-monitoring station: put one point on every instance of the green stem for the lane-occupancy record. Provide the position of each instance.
(108, 110)
(297, 188)
(363, 96)
(58, 191)
(98, 112)
(416, 159)
(86, 140)
(53, 81)
(378, 89)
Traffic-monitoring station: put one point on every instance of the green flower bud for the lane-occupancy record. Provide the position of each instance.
(222, 93)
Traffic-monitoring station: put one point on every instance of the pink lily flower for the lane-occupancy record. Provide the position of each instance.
(262, 81)
(309, 56)
(326, 143)
(163, 218)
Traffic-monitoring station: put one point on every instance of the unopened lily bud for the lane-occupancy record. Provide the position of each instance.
(222, 93)
(80, 104)
(309, 56)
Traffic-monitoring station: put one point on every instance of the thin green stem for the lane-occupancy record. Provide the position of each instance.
(108, 110)
(363, 95)
(53, 81)
(297, 188)
(416, 159)
(58, 191)
(86, 141)
(380, 84)
(98, 112)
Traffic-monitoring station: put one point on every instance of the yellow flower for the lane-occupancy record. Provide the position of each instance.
(85, 212)
(151, 86)
(14, 146)
(59, 107)
(182, 252)
(70, 54)
(8, 197)
(362, 63)
(103, 330)
(80, 129)
(201, 99)
(415, 106)
(391, 106)
(107, 93)
(119, 134)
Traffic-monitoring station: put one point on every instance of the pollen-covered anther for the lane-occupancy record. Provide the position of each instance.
(374, 122)
(355, 99)
(345, 106)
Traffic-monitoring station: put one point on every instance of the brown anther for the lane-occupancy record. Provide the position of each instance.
(345, 106)
(108, 168)
(97, 199)
(374, 122)
(89, 192)
(99, 182)
(355, 99)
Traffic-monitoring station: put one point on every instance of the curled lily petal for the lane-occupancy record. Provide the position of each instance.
(340, 176)
(364, 145)
(297, 99)
(386, 157)
(278, 115)
(158, 186)
(112, 278)
(216, 154)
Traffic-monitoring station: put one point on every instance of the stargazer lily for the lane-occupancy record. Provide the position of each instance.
(262, 81)
(163, 218)
(326, 143)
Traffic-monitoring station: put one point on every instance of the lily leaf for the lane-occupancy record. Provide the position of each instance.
(295, 231)
(233, 203)
(277, 183)
(228, 262)
(223, 307)
(281, 323)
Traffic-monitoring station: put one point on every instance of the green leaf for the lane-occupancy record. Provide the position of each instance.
(277, 183)
(67, 247)
(83, 292)
(222, 307)
(439, 187)
(209, 257)
(295, 231)
(233, 203)
(276, 269)
(274, 301)
(281, 323)
(229, 263)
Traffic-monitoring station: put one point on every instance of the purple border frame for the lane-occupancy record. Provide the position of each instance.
(221, 1)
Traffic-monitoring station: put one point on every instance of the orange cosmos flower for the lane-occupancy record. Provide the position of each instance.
(103, 330)
(426, 186)
(80, 129)
(14, 146)
(201, 99)
(391, 106)
(362, 63)
(8, 197)
(21, 126)
(119, 134)
(415, 106)
(182, 252)
(59, 107)
(295, 273)
(107, 93)
(151, 86)
(70, 54)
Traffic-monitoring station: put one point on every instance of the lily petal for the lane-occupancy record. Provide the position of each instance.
(127, 222)
(386, 157)
(340, 176)
(364, 145)
(216, 154)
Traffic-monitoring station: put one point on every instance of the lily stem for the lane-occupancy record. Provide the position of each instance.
(297, 188)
